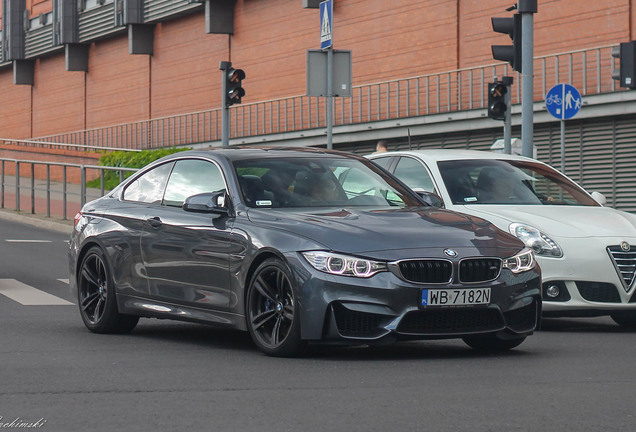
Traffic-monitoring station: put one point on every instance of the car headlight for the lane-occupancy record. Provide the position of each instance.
(539, 242)
(521, 262)
(343, 265)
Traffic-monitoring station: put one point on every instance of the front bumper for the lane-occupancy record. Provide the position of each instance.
(587, 280)
(386, 308)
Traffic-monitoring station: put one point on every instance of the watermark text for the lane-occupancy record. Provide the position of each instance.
(19, 423)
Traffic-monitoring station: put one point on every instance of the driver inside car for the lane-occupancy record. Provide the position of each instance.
(495, 185)
(317, 186)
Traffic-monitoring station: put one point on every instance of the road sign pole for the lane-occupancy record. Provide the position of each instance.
(330, 98)
(326, 44)
(563, 146)
(563, 130)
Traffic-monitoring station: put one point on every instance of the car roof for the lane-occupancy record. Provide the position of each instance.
(241, 153)
(435, 155)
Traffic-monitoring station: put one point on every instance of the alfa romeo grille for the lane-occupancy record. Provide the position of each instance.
(625, 263)
(427, 271)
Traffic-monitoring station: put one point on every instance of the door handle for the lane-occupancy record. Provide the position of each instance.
(154, 222)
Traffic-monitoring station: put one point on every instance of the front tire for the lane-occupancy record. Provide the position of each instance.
(625, 319)
(492, 343)
(272, 311)
(96, 296)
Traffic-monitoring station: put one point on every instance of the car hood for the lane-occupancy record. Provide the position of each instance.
(355, 230)
(560, 221)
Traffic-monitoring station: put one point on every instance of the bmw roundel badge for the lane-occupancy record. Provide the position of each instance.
(451, 253)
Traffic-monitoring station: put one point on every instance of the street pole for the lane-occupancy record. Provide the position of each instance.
(225, 112)
(527, 8)
(330, 98)
(508, 120)
(563, 146)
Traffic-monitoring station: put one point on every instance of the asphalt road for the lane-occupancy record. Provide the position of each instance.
(574, 375)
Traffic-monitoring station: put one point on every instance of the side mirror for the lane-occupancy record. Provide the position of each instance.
(599, 198)
(430, 198)
(209, 202)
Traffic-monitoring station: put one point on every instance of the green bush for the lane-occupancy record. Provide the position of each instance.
(127, 159)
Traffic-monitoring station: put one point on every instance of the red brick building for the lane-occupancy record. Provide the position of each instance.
(389, 40)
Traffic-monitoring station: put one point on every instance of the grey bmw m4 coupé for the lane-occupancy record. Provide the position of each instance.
(297, 246)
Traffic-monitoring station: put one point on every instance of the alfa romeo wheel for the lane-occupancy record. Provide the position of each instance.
(272, 310)
(625, 319)
(96, 296)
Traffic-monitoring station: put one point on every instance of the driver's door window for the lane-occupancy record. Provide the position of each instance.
(191, 177)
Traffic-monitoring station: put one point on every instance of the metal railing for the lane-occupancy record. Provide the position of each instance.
(53, 189)
(60, 145)
(589, 70)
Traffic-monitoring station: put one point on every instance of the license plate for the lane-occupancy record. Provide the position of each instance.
(455, 297)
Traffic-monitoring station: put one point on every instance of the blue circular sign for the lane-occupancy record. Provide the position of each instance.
(563, 101)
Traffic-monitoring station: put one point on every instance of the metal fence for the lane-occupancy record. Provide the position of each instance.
(53, 189)
(589, 70)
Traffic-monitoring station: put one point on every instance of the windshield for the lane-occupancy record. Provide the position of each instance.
(489, 181)
(318, 182)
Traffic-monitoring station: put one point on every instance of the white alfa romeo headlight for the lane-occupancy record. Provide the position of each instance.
(539, 242)
(343, 265)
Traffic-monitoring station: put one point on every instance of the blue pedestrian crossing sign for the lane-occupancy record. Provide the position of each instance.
(326, 24)
(563, 101)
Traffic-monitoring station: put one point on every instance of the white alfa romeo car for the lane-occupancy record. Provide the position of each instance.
(587, 252)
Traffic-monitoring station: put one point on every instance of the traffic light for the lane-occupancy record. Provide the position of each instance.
(234, 90)
(508, 53)
(626, 72)
(497, 106)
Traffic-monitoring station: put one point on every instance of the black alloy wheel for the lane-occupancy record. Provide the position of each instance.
(96, 296)
(272, 311)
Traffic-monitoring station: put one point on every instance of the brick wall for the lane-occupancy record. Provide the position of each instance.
(117, 84)
(58, 100)
(15, 109)
(185, 67)
(36, 7)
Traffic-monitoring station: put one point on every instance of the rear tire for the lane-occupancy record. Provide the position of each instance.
(97, 298)
(625, 319)
(272, 312)
(492, 343)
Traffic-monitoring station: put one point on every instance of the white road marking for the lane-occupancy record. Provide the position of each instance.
(27, 295)
(66, 281)
(27, 241)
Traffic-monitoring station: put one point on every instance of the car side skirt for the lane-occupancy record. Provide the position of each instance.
(148, 308)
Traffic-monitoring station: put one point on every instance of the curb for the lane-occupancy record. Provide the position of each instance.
(37, 221)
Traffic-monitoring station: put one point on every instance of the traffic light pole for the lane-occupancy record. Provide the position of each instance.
(508, 120)
(225, 112)
(527, 8)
